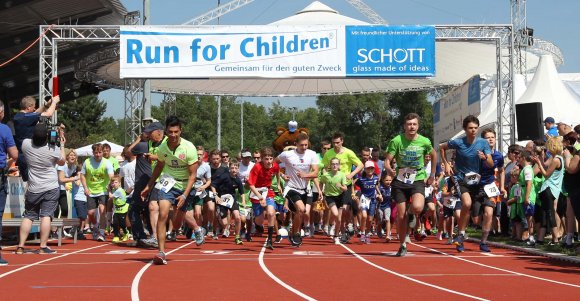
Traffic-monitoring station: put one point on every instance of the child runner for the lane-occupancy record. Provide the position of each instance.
(515, 202)
(384, 216)
(262, 196)
(121, 207)
(367, 200)
(335, 186)
(225, 187)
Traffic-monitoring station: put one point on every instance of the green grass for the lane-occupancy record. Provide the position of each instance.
(473, 233)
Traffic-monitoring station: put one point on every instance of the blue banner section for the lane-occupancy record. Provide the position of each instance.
(436, 111)
(390, 51)
(474, 91)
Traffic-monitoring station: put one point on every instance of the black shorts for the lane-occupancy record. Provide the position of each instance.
(546, 215)
(312, 199)
(294, 196)
(561, 206)
(223, 210)
(94, 202)
(479, 199)
(402, 192)
(335, 200)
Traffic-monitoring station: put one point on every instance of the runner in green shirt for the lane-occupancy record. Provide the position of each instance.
(178, 160)
(409, 150)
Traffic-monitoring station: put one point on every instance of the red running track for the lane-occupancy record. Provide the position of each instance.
(318, 270)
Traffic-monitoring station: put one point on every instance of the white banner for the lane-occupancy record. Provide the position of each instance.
(449, 111)
(276, 51)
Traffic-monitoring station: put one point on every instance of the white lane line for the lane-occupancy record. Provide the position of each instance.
(46, 260)
(499, 269)
(282, 283)
(409, 278)
(135, 283)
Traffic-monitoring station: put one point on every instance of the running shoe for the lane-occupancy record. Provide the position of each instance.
(336, 241)
(307, 230)
(363, 238)
(326, 230)
(116, 240)
(248, 237)
(368, 240)
(171, 236)
(46, 250)
(412, 221)
(439, 236)
(226, 233)
(423, 235)
(332, 231)
(449, 241)
(159, 259)
(350, 229)
(458, 242)
(296, 240)
(3, 262)
(402, 251)
(269, 244)
(278, 239)
(238, 241)
(407, 239)
(484, 248)
(199, 238)
(100, 238)
(67, 234)
(445, 235)
(418, 236)
(388, 238)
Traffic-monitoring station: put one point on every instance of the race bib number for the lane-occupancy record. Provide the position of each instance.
(365, 202)
(517, 191)
(407, 175)
(226, 200)
(472, 178)
(197, 184)
(263, 191)
(450, 202)
(309, 191)
(243, 211)
(428, 190)
(491, 190)
(166, 182)
(211, 195)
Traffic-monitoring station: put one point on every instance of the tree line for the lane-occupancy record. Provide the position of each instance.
(365, 119)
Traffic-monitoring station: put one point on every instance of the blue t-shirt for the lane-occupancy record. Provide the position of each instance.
(552, 132)
(386, 193)
(368, 186)
(6, 141)
(488, 174)
(24, 127)
(466, 158)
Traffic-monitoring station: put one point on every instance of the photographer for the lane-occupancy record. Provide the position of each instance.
(24, 122)
(43, 187)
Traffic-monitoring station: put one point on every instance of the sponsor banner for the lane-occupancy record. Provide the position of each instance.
(276, 51)
(449, 111)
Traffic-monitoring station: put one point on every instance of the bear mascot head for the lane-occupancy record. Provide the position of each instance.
(287, 136)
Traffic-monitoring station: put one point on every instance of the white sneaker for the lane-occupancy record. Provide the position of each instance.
(407, 239)
(332, 231)
(226, 233)
(336, 241)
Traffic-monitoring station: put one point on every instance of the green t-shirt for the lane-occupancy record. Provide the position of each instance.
(120, 201)
(115, 163)
(527, 174)
(410, 153)
(516, 209)
(177, 161)
(330, 181)
(278, 198)
(347, 159)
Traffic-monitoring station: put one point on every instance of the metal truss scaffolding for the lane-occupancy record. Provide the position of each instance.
(501, 35)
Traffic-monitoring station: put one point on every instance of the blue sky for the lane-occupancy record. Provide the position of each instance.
(556, 21)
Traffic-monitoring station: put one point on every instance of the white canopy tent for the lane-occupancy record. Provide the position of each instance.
(88, 150)
(558, 93)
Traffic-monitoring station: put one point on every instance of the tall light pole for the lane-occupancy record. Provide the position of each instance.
(241, 125)
(219, 123)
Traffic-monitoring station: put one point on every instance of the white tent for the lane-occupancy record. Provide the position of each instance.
(546, 87)
(88, 150)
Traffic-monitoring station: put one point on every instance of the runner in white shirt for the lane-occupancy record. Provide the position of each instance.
(301, 166)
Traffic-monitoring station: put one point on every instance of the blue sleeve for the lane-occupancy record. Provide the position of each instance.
(500, 162)
(453, 144)
(486, 147)
(7, 137)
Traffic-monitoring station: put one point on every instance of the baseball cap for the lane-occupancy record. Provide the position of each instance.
(246, 154)
(153, 126)
(369, 164)
(549, 119)
(292, 126)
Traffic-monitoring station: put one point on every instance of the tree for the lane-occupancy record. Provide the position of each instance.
(82, 118)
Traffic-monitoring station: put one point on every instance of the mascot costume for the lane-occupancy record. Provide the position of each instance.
(287, 136)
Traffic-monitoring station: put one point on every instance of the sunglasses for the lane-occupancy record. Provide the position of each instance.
(256, 158)
(225, 156)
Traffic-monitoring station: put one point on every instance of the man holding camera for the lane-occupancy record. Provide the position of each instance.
(24, 122)
(43, 187)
